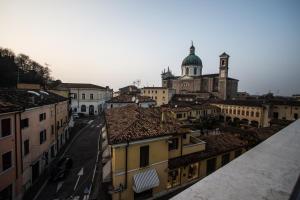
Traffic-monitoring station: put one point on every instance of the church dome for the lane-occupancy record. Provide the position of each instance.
(192, 59)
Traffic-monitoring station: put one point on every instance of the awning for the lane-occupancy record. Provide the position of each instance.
(145, 180)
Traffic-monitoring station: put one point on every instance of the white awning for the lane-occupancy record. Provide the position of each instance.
(145, 180)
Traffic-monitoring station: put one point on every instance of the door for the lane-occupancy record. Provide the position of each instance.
(91, 110)
(35, 171)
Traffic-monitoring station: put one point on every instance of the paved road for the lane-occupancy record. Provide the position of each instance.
(84, 153)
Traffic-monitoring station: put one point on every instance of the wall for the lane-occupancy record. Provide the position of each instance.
(160, 95)
(98, 101)
(158, 159)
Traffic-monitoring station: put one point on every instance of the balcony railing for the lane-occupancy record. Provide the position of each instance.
(195, 145)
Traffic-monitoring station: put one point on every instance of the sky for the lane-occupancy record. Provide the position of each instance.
(117, 42)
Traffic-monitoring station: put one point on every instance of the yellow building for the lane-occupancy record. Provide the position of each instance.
(195, 112)
(161, 95)
(259, 112)
(147, 153)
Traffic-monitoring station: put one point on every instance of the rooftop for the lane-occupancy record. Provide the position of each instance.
(125, 98)
(80, 85)
(215, 145)
(132, 123)
(13, 100)
(268, 171)
(259, 102)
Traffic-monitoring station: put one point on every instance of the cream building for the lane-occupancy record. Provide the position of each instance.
(161, 95)
(88, 99)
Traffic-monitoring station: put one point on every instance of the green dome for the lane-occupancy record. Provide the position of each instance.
(192, 59)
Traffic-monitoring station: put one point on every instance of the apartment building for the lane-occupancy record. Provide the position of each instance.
(147, 152)
(10, 146)
(259, 112)
(161, 95)
(40, 126)
(88, 99)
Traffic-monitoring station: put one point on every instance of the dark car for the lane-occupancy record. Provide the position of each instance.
(61, 169)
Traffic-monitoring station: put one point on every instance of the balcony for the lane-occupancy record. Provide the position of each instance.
(194, 145)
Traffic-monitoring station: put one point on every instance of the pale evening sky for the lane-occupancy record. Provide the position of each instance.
(116, 42)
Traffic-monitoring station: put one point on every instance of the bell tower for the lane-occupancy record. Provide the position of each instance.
(223, 75)
(224, 58)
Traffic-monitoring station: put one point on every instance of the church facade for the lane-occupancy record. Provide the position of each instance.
(192, 81)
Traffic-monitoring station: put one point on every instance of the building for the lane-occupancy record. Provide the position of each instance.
(203, 85)
(10, 145)
(130, 90)
(148, 153)
(268, 171)
(86, 98)
(38, 124)
(259, 112)
(125, 99)
(161, 95)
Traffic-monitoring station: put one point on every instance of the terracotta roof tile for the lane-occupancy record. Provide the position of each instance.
(132, 123)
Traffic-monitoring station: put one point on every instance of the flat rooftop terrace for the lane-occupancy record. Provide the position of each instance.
(268, 171)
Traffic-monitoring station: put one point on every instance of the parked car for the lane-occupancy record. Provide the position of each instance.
(61, 169)
(75, 116)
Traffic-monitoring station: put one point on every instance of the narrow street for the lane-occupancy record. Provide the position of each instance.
(83, 152)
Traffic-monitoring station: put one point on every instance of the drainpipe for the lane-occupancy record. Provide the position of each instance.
(16, 154)
(126, 161)
(56, 129)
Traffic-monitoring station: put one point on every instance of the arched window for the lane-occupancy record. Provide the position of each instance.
(195, 70)
(186, 71)
(83, 108)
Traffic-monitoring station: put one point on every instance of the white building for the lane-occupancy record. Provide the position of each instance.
(87, 98)
(125, 99)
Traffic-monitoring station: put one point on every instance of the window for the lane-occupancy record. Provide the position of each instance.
(5, 127)
(155, 91)
(179, 115)
(26, 147)
(83, 96)
(83, 108)
(210, 165)
(186, 71)
(234, 111)
(257, 114)
(24, 123)
(43, 136)
(223, 62)
(193, 171)
(173, 144)
(237, 153)
(144, 156)
(295, 115)
(195, 71)
(148, 91)
(243, 112)
(238, 112)
(6, 193)
(6, 161)
(164, 92)
(247, 113)
(52, 129)
(252, 114)
(275, 115)
(42, 116)
(91, 96)
(75, 96)
(225, 159)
